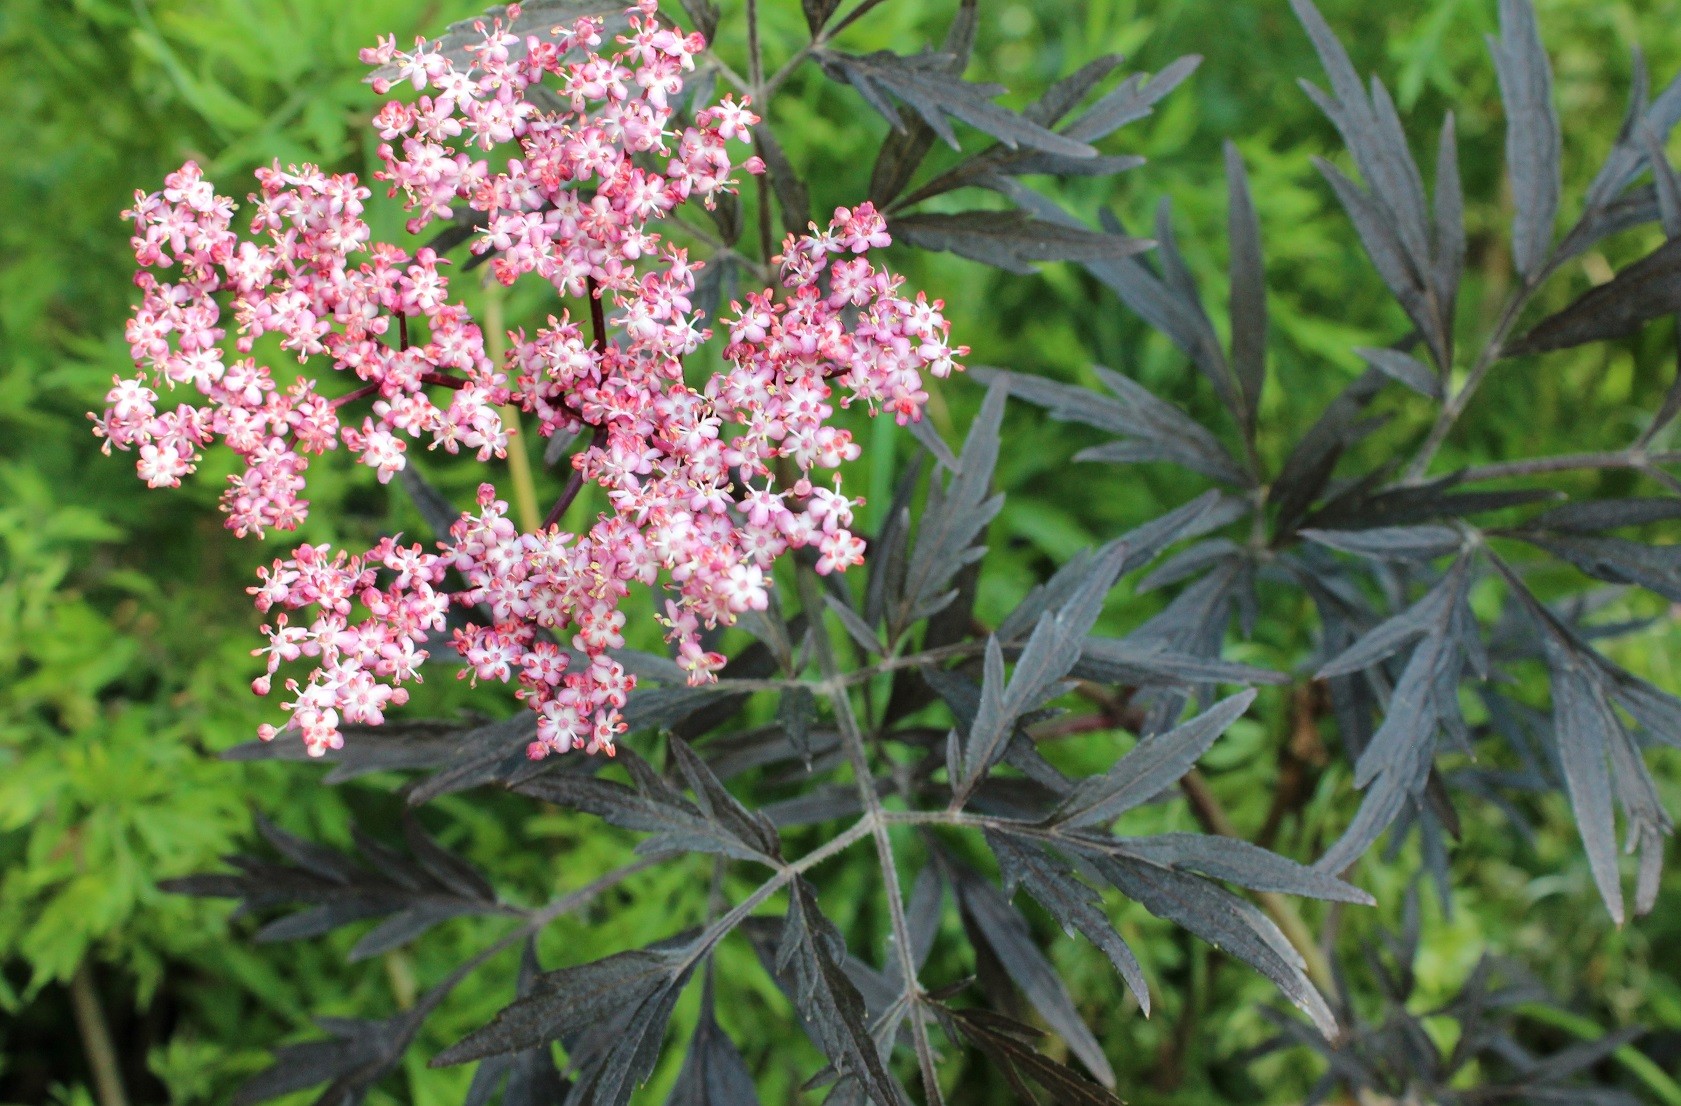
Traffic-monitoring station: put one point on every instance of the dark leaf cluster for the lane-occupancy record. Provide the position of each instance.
(411, 893)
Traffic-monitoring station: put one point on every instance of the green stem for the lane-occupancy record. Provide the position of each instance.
(852, 738)
(519, 461)
(784, 876)
(96, 1037)
(534, 922)
(1280, 909)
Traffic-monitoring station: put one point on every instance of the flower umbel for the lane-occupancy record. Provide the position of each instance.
(707, 484)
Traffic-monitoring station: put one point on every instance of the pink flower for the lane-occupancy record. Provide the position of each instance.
(572, 196)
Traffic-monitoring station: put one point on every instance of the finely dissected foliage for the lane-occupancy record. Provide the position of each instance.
(882, 717)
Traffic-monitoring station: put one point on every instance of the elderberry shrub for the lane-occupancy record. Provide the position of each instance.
(700, 393)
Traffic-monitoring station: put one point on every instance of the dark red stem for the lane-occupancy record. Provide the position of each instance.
(575, 482)
(351, 397)
(574, 485)
(598, 316)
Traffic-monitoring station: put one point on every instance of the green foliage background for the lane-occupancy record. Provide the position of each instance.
(125, 637)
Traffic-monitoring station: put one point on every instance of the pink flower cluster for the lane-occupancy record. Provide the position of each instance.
(707, 484)
(352, 658)
(297, 281)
